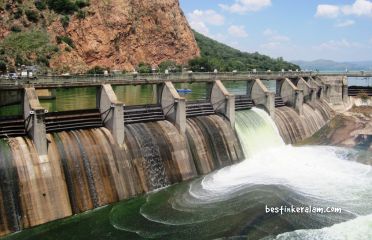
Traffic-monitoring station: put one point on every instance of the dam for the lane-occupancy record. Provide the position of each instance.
(58, 164)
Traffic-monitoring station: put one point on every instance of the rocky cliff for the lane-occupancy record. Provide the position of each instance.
(117, 34)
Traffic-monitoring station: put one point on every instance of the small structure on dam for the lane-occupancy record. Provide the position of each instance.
(56, 164)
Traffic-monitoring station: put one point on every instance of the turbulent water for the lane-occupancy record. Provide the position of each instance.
(232, 202)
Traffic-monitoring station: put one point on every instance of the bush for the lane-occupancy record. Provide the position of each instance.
(18, 14)
(96, 70)
(170, 66)
(62, 6)
(81, 14)
(40, 4)
(15, 28)
(65, 39)
(3, 67)
(43, 60)
(201, 64)
(144, 68)
(32, 15)
(65, 21)
(82, 3)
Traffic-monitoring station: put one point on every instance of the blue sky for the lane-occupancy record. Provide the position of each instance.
(294, 29)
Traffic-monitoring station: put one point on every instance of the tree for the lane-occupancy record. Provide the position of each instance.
(170, 66)
(144, 68)
(32, 15)
(96, 70)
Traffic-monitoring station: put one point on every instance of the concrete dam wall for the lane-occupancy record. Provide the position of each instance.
(49, 175)
(86, 169)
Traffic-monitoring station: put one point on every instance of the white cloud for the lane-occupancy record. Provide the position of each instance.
(337, 45)
(244, 6)
(237, 31)
(199, 20)
(274, 36)
(328, 11)
(358, 8)
(200, 27)
(346, 23)
(208, 16)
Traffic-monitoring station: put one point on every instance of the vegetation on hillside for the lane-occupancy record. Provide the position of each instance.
(215, 55)
(28, 42)
(27, 48)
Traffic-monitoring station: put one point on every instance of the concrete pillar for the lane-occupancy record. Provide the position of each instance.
(334, 88)
(34, 115)
(223, 102)
(345, 90)
(112, 112)
(309, 92)
(260, 95)
(292, 95)
(299, 100)
(174, 106)
(319, 88)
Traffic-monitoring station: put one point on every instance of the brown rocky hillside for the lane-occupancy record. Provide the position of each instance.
(117, 34)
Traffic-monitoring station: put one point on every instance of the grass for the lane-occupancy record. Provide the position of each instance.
(27, 47)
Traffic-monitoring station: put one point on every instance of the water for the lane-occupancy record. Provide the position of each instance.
(231, 202)
(363, 82)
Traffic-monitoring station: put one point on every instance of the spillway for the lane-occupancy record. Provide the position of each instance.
(86, 169)
(231, 201)
(228, 202)
(293, 127)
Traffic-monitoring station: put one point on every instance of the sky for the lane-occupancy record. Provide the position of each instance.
(339, 30)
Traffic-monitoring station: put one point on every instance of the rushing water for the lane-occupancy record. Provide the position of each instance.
(232, 202)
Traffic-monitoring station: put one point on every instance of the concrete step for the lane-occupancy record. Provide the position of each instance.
(279, 101)
(69, 128)
(243, 102)
(12, 127)
(143, 120)
(143, 113)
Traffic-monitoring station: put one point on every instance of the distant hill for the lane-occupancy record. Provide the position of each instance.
(329, 65)
(215, 55)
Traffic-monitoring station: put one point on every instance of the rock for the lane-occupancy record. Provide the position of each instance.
(118, 34)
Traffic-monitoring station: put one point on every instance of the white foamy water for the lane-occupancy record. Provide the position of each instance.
(356, 229)
(257, 132)
(317, 171)
(273, 173)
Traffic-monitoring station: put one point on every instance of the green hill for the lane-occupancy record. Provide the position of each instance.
(215, 55)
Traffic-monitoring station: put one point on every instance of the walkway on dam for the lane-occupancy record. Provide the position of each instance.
(45, 82)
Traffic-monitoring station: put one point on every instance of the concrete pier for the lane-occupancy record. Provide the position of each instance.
(309, 92)
(223, 102)
(261, 96)
(34, 115)
(112, 112)
(333, 88)
(319, 88)
(291, 95)
(174, 106)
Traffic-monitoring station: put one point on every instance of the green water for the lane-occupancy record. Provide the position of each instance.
(67, 99)
(11, 110)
